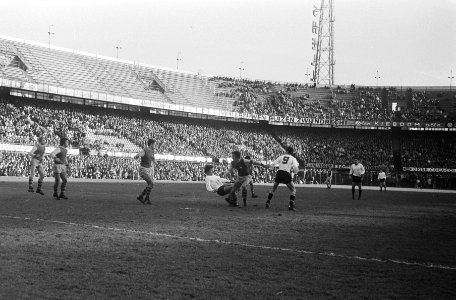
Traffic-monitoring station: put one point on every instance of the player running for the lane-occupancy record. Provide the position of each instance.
(146, 170)
(329, 174)
(216, 184)
(382, 180)
(60, 168)
(286, 163)
(252, 189)
(356, 172)
(36, 160)
(243, 178)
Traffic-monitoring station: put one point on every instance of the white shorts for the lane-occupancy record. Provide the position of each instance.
(36, 163)
(243, 180)
(146, 173)
(60, 168)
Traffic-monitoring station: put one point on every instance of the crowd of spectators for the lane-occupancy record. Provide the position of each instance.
(191, 137)
(22, 120)
(341, 147)
(358, 103)
(105, 167)
(428, 150)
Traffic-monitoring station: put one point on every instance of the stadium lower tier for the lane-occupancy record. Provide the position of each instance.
(99, 167)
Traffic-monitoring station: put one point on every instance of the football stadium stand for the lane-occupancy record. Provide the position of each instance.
(108, 133)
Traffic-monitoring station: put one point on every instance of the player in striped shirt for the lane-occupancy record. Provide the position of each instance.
(287, 164)
(356, 172)
(36, 160)
(146, 170)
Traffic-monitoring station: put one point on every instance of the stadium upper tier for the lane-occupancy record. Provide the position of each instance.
(38, 64)
(63, 68)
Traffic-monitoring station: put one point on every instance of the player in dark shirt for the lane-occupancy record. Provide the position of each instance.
(146, 170)
(252, 189)
(60, 168)
(241, 165)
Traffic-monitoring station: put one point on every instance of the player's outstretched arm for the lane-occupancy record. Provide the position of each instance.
(141, 154)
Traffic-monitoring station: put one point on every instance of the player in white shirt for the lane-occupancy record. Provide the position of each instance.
(215, 184)
(356, 172)
(287, 164)
(382, 180)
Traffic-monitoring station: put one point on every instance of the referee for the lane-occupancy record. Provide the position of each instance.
(356, 172)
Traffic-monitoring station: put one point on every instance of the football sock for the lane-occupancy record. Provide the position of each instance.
(30, 181)
(353, 193)
(148, 190)
(244, 193)
(359, 194)
(270, 196)
(56, 186)
(40, 183)
(292, 199)
(63, 187)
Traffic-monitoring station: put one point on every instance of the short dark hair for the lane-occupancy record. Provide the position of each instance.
(207, 168)
(150, 142)
(62, 141)
(236, 154)
(289, 150)
(247, 157)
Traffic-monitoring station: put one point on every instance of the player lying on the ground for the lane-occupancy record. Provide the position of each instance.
(241, 165)
(286, 163)
(60, 168)
(216, 184)
(36, 159)
(382, 180)
(252, 189)
(146, 170)
(356, 172)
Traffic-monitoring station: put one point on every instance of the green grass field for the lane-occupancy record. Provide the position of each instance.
(103, 243)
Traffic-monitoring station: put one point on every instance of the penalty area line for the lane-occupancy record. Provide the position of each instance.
(246, 245)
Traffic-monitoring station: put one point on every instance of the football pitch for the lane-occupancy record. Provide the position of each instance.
(103, 243)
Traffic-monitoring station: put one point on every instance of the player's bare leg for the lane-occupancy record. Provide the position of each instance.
(271, 194)
(63, 175)
(232, 197)
(360, 190)
(353, 190)
(252, 190)
(328, 183)
(32, 175)
(146, 192)
(244, 195)
(40, 180)
(292, 189)
(56, 186)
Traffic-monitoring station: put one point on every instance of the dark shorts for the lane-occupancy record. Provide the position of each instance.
(356, 179)
(283, 177)
(221, 191)
(382, 180)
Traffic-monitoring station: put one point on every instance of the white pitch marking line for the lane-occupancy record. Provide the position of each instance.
(172, 236)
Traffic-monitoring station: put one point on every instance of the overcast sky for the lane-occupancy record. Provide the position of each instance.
(410, 42)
